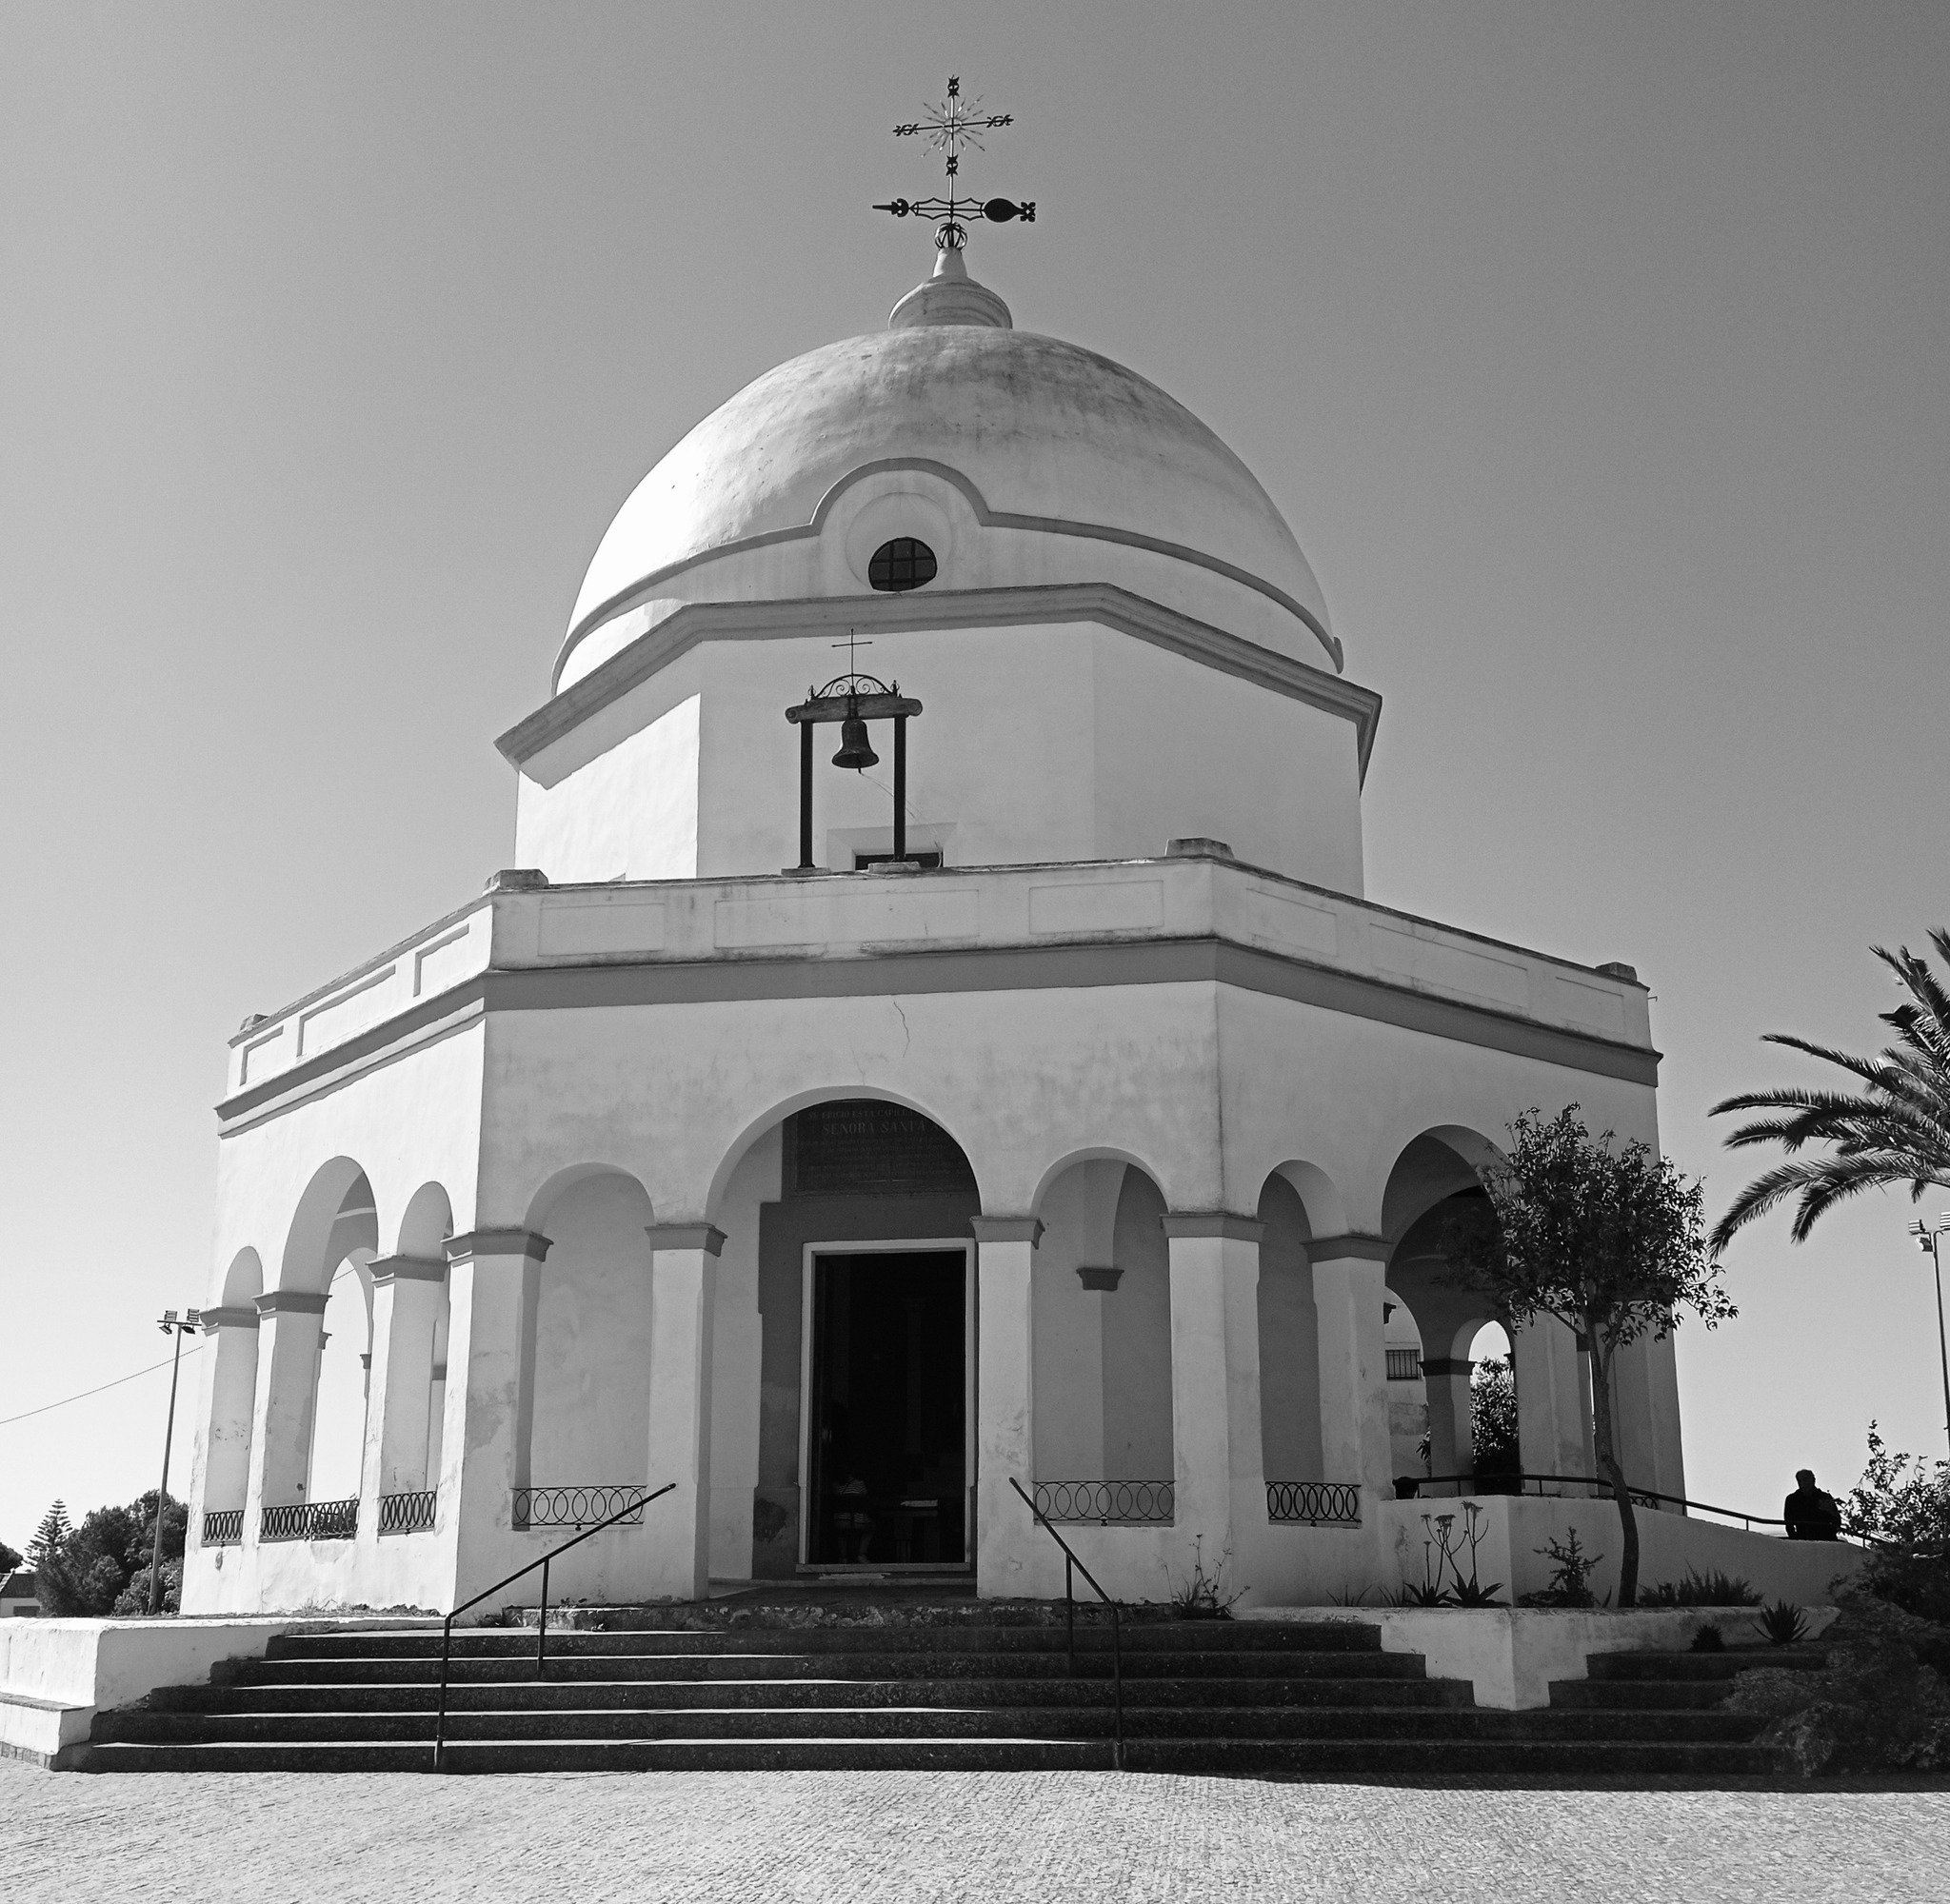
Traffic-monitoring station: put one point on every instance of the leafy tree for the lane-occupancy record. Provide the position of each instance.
(1493, 1417)
(86, 1570)
(9, 1559)
(1895, 1129)
(1608, 1240)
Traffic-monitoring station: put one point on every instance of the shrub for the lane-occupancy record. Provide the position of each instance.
(1902, 1506)
(1701, 1590)
(1784, 1623)
(1875, 1706)
(1493, 1417)
(1570, 1580)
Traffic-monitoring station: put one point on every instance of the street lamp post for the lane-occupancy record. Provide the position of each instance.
(176, 1328)
(1929, 1238)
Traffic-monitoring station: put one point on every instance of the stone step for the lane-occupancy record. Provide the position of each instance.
(683, 1693)
(1316, 1758)
(758, 1665)
(1092, 1633)
(1626, 1695)
(923, 1721)
(1704, 1667)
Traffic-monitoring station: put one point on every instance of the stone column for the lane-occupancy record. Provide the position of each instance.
(493, 1274)
(1349, 1276)
(289, 1326)
(1646, 1404)
(406, 1299)
(1550, 1397)
(1451, 1426)
(1220, 1479)
(684, 1300)
(1004, 1399)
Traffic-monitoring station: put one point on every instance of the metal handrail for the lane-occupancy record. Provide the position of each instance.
(542, 1626)
(1646, 1496)
(1070, 1562)
(1313, 1504)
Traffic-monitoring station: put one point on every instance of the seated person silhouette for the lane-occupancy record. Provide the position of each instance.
(1810, 1513)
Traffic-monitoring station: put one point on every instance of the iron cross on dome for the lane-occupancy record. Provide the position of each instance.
(948, 126)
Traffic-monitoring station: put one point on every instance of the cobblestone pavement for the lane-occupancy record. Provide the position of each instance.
(965, 1836)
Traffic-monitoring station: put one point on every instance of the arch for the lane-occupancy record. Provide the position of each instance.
(1290, 1336)
(1088, 1153)
(583, 1416)
(232, 1388)
(787, 1107)
(1320, 1197)
(1438, 1162)
(556, 1186)
(1101, 1332)
(427, 1225)
(335, 1214)
(341, 1380)
(244, 1280)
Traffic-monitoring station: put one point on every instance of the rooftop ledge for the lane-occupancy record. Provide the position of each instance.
(1197, 897)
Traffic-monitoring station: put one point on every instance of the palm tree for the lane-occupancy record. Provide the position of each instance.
(1895, 1129)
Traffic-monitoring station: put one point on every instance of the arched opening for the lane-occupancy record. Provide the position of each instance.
(344, 1388)
(840, 1359)
(1433, 1187)
(1101, 1291)
(319, 1324)
(1289, 1338)
(584, 1416)
(232, 1392)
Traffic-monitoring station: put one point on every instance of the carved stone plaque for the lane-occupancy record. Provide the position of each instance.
(860, 1147)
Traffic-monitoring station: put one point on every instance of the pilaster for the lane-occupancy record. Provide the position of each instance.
(1004, 1399)
(1349, 1275)
(683, 1302)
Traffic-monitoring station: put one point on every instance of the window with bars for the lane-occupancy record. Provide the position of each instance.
(901, 565)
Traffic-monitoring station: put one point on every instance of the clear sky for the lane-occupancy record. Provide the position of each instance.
(1597, 355)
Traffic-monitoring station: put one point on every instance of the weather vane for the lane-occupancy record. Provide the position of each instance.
(957, 122)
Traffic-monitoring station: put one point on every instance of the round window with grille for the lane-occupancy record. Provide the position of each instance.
(901, 565)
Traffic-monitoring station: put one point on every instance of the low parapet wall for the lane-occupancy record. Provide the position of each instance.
(55, 1675)
(1514, 1535)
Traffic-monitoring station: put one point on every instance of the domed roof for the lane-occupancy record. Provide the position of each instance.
(1050, 436)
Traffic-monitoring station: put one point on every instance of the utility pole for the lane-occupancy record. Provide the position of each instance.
(175, 1329)
(1930, 1238)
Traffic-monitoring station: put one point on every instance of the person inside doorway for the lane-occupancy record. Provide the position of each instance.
(1810, 1512)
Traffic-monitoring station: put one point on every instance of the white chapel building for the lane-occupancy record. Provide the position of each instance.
(1032, 1101)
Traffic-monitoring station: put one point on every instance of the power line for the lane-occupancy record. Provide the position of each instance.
(6, 1420)
(9, 1419)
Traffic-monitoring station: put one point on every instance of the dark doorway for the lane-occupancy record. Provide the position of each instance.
(889, 1409)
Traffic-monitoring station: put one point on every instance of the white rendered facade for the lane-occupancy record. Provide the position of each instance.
(1205, 1094)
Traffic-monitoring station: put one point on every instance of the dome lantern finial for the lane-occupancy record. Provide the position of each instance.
(950, 296)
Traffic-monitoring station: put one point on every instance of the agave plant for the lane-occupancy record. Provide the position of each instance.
(1782, 1622)
(1895, 1129)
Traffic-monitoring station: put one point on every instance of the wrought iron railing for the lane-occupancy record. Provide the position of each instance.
(1072, 1566)
(542, 1626)
(1106, 1503)
(1404, 1364)
(1313, 1503)
(579, 1506)
(408, 1512)
(1411, 1487)
(310, 1520)
(223, 1527)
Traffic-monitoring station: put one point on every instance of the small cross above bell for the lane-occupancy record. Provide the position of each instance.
(856, 751)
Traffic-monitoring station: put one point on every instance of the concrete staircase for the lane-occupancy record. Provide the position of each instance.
(965, 1687)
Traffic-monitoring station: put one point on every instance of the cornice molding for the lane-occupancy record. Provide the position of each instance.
(1223, 1224)
(1099, 602)
(474, 1244)
(1006, 1230)
(236, 1316)
(409, 1269)
(706, 1236)
(1353, 1248)
(292, 1302)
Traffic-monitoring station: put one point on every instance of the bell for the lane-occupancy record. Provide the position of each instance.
(855, 751)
